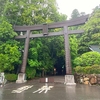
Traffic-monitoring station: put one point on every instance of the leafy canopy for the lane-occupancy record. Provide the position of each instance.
(9, 53)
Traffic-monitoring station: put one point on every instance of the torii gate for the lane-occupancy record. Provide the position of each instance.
(44, 28)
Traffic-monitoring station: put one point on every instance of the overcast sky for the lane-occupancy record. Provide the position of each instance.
(67, 6)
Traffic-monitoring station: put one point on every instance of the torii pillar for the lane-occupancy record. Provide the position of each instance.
(22, 76)
(69, 78)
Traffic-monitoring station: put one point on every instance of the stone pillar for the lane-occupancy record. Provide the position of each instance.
(21, 76)
(69, 80)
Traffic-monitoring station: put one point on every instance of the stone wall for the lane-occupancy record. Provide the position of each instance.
(90, 79)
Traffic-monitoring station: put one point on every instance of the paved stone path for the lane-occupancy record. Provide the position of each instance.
(59, 91)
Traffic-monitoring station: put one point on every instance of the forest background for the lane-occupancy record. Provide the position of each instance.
(44, 53)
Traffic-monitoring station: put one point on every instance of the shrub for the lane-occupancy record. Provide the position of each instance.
(11, 77)
(88, 59)
(30, 73)
(95, 69)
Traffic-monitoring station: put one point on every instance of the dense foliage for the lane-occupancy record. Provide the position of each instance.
(91, 35)
(44, 53)
(88, 59)
(30, 73)
(94, 69)
(9, 53)
(30, 12)
(88, 63)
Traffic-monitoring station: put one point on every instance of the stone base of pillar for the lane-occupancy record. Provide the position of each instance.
(21, 78)
(69, 80)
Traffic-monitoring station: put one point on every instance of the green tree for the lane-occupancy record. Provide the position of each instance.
(75, 14)
(31, 12)
(91, 35)
(9, 53)
(73, 48)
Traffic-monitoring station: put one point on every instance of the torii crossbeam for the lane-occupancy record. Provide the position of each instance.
(45, 28)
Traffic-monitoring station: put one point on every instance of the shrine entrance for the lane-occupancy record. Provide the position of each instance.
(60, 70)
(45, 33)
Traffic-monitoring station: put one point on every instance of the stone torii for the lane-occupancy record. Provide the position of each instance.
(45, 27)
